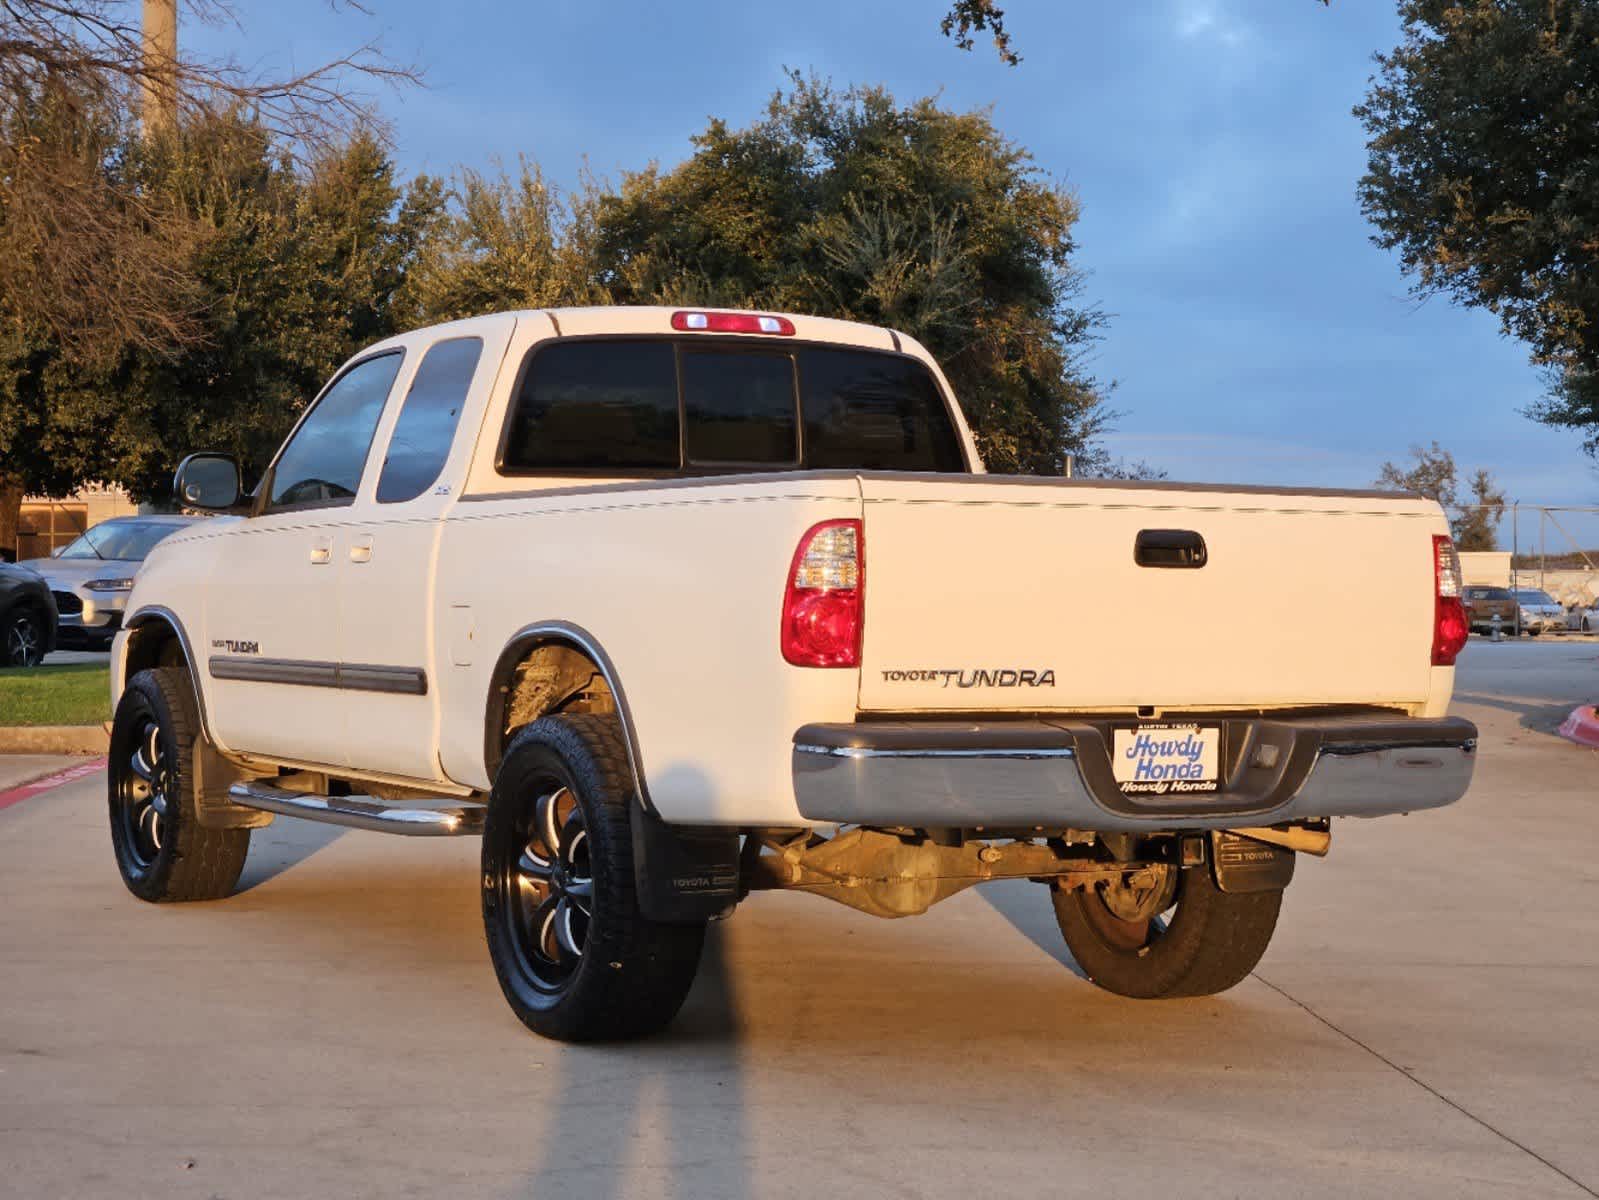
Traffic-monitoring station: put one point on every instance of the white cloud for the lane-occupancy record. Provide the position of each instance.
(1205, 19)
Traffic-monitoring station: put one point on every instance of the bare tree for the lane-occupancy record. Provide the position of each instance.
(96, 49)
(94, 266)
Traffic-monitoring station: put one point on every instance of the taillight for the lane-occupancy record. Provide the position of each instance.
(824, 600)
(1450, 629)
(731, 322)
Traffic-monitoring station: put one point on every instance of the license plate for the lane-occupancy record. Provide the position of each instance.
(1161, 760)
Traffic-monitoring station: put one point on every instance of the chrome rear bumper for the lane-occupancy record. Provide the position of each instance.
(1047, 775)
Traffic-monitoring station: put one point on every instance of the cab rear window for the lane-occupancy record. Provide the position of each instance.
(658, 406)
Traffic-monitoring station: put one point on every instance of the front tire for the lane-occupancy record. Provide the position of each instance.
(162, 850)
(22, 636)
(1182, 937)
(574, 955)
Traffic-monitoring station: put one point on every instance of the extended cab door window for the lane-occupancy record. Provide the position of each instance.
(425, 430)
(322, 464)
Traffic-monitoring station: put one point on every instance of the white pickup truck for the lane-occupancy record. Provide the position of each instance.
(671, 605)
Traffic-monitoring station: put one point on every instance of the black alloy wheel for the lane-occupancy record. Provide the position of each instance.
(163, 850)
(142, 786)
(575, 956)
(548, 890)
(23, 639)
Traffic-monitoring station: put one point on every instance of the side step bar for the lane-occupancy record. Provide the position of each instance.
(414, 818)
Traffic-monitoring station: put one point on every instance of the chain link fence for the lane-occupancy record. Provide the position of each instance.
(1554, 548)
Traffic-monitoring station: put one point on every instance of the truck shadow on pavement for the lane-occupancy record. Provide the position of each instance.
(1535, 715)
(624, 1114)
(1019, 904)
(281, 846)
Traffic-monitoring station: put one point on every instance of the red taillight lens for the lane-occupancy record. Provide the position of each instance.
(1450, 629)
(731, 322)
(824, 600)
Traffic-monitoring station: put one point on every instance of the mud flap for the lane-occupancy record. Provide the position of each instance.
(683, 874)
(1242, 864)
(214, 809)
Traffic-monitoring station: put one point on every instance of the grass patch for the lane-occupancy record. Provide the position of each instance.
(63, 694)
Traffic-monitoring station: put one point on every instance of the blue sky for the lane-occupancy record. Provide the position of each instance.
(1255, 335)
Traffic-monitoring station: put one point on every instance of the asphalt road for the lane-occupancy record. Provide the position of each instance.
(1423, 1025)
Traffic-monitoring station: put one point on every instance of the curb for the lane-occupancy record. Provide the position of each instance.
(1582, 726)
(54, 739)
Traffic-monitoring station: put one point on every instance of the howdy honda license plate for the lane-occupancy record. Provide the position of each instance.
(1161, 760)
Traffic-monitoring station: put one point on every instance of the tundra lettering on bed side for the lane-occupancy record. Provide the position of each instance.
(1006, 677)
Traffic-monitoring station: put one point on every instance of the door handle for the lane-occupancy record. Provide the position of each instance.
(361, 550)
(1170, 548)
(321, 551)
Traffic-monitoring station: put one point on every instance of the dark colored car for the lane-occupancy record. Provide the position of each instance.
(1483, 602)
(27, 617)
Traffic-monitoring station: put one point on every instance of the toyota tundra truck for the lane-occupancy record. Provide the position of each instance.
(669, 606)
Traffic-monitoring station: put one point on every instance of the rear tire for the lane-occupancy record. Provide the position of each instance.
(1208, 943)
(162, 850)
(574, 955)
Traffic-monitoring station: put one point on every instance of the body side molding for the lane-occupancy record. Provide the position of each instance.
(350, 677)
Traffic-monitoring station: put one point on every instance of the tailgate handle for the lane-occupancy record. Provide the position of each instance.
(1169, 548)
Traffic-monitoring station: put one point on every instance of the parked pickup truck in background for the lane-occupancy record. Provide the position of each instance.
(668, 606)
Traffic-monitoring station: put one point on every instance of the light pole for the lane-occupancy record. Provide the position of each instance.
(159, 87)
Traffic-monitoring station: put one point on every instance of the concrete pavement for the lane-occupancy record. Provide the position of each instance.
(1424, 1024)
(17, 769)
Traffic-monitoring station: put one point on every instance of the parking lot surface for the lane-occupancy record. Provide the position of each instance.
(1426, 1023)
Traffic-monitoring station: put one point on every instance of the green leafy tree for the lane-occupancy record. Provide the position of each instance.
(966, 17)
(502, 241)
(1481, 175)
(100, 273)
(300, 266)
(928, 221)
(1432, 473)
(1476, 526)
(88, 267)
(291, 268)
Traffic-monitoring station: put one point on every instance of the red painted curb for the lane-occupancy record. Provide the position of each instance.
(28, 790)
(1582, 726)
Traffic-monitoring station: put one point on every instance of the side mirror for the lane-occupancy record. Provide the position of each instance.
(209, 481)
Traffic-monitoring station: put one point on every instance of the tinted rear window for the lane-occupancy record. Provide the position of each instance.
(597, 404)
(740, 408)
(874, 412)
(628, 404)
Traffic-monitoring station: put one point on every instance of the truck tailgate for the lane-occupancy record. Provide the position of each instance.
(1024, 595)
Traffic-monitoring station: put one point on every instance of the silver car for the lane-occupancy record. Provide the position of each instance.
(1539, 612)
(92, 576)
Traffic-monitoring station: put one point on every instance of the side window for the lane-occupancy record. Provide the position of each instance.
(740, 409)
(426, 427)
(596, 404)
(322, 462)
